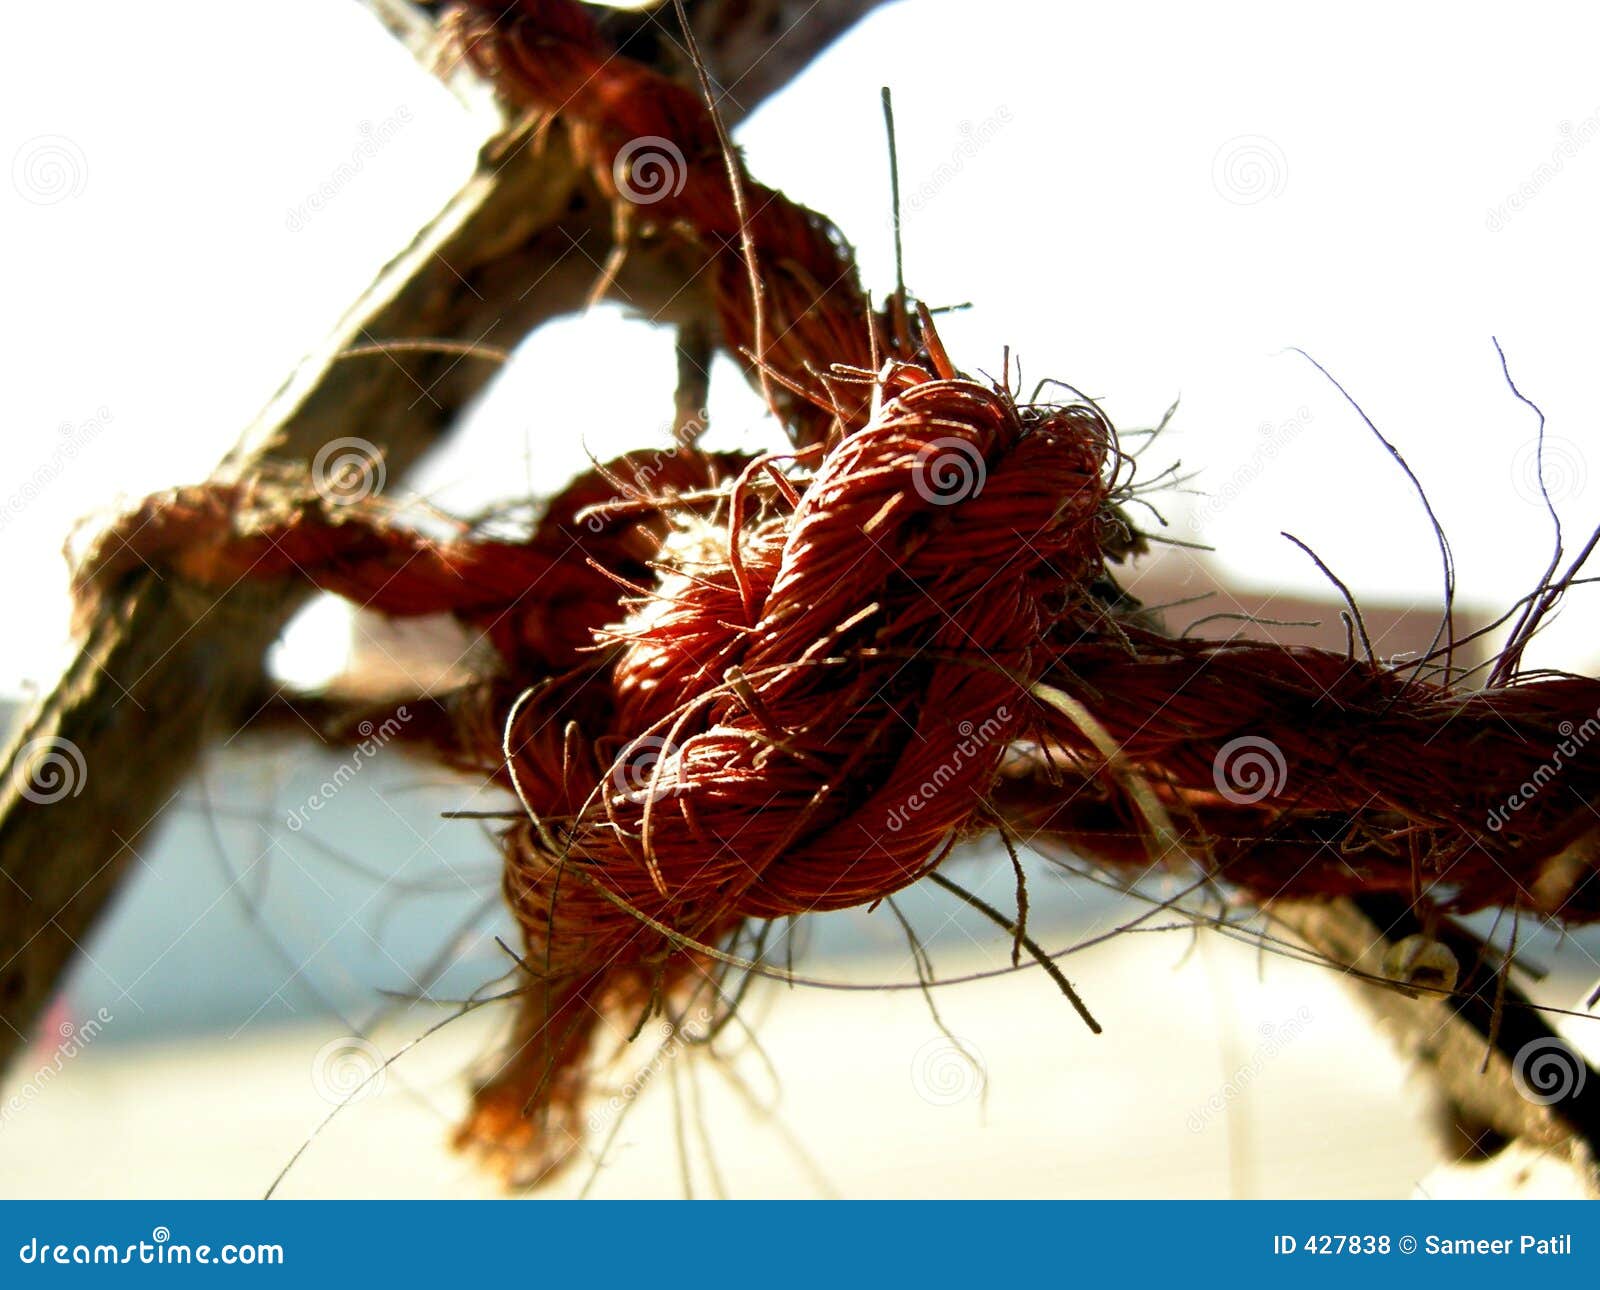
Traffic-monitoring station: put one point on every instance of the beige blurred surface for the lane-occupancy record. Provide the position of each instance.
(1219, 1074)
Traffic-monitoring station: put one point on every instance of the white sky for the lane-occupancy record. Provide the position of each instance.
(155, 293)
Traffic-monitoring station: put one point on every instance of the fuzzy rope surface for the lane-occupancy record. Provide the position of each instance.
(728, 690)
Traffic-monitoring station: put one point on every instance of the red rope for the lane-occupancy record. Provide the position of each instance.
(792, 692)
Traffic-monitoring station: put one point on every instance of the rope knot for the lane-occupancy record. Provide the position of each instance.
(803, 711)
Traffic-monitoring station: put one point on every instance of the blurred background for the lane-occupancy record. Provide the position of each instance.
(1148, 201)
